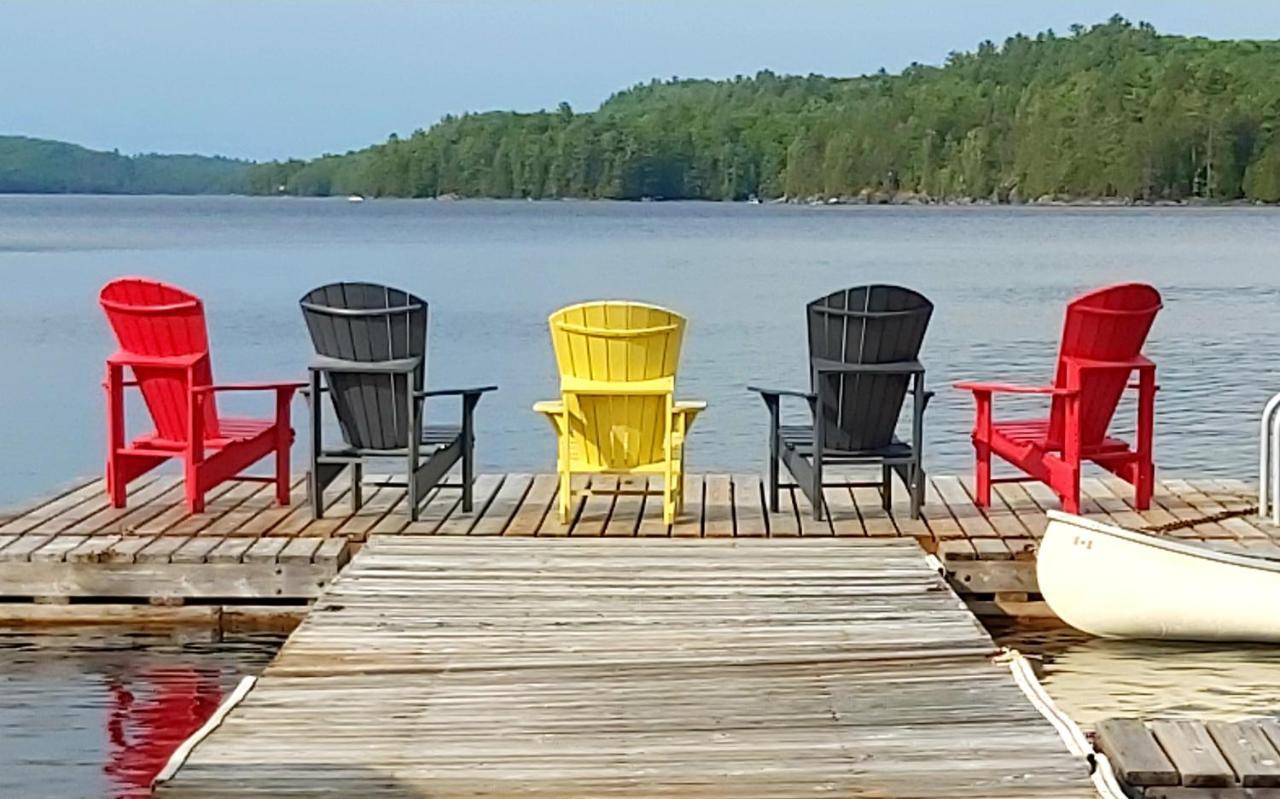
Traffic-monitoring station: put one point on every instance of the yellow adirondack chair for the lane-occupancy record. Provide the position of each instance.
(617, 412)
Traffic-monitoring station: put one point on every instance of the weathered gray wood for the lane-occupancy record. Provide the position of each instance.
(633, 667)
(1134, 753)
(162, 579)
(1192, 752)
(1213, 793)
(1246, 747)
(990, 577)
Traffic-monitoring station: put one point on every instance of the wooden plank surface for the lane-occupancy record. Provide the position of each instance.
(1134, 753)
(1192, 752)
(1249, 752)
(634, 667)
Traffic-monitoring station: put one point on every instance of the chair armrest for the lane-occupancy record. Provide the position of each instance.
(824, 366)
(782, 392)
(286, 386)
(122, 358)
(549, 407)
(398, 366)
(455, 392)
(1008, 388)
(1138, 362)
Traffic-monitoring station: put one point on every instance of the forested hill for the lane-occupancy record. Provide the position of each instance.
(1116, 110)
(41, 166)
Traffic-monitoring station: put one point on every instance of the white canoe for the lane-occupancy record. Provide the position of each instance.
(1118, 583)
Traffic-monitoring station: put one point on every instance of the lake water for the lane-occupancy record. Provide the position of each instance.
(493, 271)
(93, 715)
(1092, 679)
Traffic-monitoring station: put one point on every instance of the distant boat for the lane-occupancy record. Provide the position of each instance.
(753, 200)
(355, 198)
(1117, 583)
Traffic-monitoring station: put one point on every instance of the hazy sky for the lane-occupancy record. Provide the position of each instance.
(270, 79)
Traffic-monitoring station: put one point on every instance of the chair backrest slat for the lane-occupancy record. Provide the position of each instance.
(864, 325)
(1110, 324)
(617, 343)
(152, 319)
(369, 323)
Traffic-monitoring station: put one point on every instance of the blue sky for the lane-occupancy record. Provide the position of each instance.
(272, 78)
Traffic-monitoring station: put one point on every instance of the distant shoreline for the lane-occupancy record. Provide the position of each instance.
(808, 202)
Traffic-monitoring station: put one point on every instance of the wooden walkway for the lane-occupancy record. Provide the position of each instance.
(1181, 758)
(75, 545)
(452, 667)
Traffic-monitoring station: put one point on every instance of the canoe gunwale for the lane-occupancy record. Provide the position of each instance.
(1166, 544)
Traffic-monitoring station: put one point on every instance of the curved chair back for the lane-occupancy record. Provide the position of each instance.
(1110, 324)
(360, 324)
(617, 363)
(154, 321)
(864, 325)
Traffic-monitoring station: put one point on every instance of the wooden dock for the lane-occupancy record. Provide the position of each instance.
(1189, 759)
(584, 666)
(74, 546)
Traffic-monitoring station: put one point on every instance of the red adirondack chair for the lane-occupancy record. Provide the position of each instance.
(1101, 347)
(164, 343)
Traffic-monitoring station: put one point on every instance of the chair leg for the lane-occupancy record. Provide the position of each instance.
(282, 474)
(917, 489)
(819, 502)
(886, 487)
(116, 486)
(1144, 486)
(467, 479)
(411, 478)
(357, 486)
(1070, 493)
(191, 484)
(566, 495)
(982, 472)
(315, 494)
(668, 500)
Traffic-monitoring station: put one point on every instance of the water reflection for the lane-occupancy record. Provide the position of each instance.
(151, 714)
(1095, 678)
(92, 714)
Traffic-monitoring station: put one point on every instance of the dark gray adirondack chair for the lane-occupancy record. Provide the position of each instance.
(864, 347)
(371, 348)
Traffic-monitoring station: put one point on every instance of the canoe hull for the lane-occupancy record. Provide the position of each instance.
(1117, 583)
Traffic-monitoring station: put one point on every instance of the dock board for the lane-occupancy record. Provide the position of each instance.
(74, 545)
(634, 667)
(1206, 759)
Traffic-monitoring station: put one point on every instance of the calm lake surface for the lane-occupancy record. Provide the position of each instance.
(74, 711)
(493, 271)
(1094, 679)
(87, 715)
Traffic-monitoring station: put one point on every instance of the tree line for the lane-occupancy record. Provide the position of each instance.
(43, 166)
(1116, 110)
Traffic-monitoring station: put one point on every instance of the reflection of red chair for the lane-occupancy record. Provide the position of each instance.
(163, 341)
(1101, 347)
(150, 717)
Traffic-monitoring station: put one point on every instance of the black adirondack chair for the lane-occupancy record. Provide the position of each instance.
(864, 347)
(371, 352)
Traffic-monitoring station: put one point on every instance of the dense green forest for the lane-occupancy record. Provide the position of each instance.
(1112, 111)
(41, 166)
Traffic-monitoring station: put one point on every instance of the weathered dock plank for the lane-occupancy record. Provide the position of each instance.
(988, 551)
(634, 667)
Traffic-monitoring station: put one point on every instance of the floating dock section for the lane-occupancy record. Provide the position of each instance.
(593, 667)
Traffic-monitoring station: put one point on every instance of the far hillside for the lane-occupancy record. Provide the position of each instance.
(41, 166)
(1113, 111)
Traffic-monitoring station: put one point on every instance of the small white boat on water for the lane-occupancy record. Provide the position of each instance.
(1118, 583)
(355, 198)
